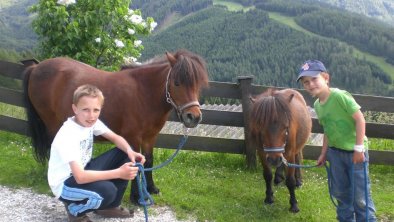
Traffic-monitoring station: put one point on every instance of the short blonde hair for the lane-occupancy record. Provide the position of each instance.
(87, 90)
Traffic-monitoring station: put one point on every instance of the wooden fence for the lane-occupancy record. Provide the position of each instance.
(240, 91)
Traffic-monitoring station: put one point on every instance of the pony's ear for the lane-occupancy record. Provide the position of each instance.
(171, 58)
(291, 97)
(252, 99)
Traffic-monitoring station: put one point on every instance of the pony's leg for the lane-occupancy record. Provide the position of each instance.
(291, 185)
(134, 196)
(269, 194)
(279, 174)
(298, 172)
(150, 185)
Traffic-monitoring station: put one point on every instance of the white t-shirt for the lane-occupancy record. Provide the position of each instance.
(73, 142)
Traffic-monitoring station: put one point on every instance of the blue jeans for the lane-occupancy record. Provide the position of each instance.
(84, 198)
(351, 205)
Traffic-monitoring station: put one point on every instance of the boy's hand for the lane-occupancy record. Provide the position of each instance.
(321, 160)
(358, 157)
(136, 157)
(128, 171)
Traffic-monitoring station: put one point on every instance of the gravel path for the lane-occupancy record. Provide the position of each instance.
(21, 205)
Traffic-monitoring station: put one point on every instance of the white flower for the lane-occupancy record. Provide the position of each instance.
(119, 43)
(131, 31)
(66, 2)
(129, 60)
(153, 26)
(137, 43)
(136, 19)
(98, 40)
(130, 12)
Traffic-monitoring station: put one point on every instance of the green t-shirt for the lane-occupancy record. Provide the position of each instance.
(335, 115)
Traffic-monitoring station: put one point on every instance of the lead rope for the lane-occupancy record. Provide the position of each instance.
(145, 198)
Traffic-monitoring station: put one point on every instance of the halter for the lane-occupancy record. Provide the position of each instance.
(276, 149)
(178, 109)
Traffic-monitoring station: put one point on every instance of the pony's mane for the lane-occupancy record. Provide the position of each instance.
(268, 109)
(189, 70)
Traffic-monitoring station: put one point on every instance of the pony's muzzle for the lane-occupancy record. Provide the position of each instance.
(191, 120)
(275, 161)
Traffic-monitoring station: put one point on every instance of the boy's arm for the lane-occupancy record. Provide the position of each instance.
(82, 176)
(122, 144)
(322, 158)
(358, 156)
(360, 127)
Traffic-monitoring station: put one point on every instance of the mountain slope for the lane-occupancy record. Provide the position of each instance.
(237, 43)
(380, 9)
(253, 43)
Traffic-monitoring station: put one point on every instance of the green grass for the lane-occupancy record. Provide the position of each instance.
(210, 186)
(12, 111)
(232, 6)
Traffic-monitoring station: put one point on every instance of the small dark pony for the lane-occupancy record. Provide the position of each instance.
(138, 100)
(280, 125)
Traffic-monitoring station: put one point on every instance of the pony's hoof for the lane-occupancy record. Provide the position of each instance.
(153, 190)
(294, 209)
(134, 201)
(269, 200)
(278, 179)
(298, 183)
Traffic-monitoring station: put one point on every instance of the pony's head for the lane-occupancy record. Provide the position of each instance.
(269, 123)
(186, 77)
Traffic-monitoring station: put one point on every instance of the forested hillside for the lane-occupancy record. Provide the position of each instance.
(366, 34)
(380, 9)
(16, 33)
(250, 43)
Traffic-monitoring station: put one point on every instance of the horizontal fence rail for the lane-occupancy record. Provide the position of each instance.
(240, 91)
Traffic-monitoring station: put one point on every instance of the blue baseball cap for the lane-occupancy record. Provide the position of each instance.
(311, 68)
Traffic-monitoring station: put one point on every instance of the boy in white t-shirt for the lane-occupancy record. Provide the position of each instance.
(84, 184)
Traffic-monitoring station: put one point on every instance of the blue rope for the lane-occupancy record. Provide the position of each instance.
(300, 166)
(145, 198)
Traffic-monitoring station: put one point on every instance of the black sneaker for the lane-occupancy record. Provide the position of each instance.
(72, 218)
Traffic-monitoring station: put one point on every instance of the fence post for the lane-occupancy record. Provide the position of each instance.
(245, 83)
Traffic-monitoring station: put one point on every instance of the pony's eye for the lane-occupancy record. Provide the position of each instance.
(176, 83)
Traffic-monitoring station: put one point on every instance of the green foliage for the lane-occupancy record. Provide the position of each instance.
(98, 32)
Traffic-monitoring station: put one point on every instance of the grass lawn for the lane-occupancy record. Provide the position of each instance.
(210, 186)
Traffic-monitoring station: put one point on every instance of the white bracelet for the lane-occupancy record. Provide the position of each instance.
(359, 148)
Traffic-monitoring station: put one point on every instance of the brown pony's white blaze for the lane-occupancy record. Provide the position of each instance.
(280, 126)
(138, 100)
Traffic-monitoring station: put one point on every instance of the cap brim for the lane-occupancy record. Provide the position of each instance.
(308, 73)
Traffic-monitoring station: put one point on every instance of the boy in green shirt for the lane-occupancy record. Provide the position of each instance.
(345, 145)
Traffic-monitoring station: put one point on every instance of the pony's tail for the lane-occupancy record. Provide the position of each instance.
(37, 130)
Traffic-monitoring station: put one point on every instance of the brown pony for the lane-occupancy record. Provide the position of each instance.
(138, 100)
(280, 125)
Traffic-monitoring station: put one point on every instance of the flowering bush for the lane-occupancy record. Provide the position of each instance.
(102, 33)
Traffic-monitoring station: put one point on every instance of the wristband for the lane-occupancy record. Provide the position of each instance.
(359, 148)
